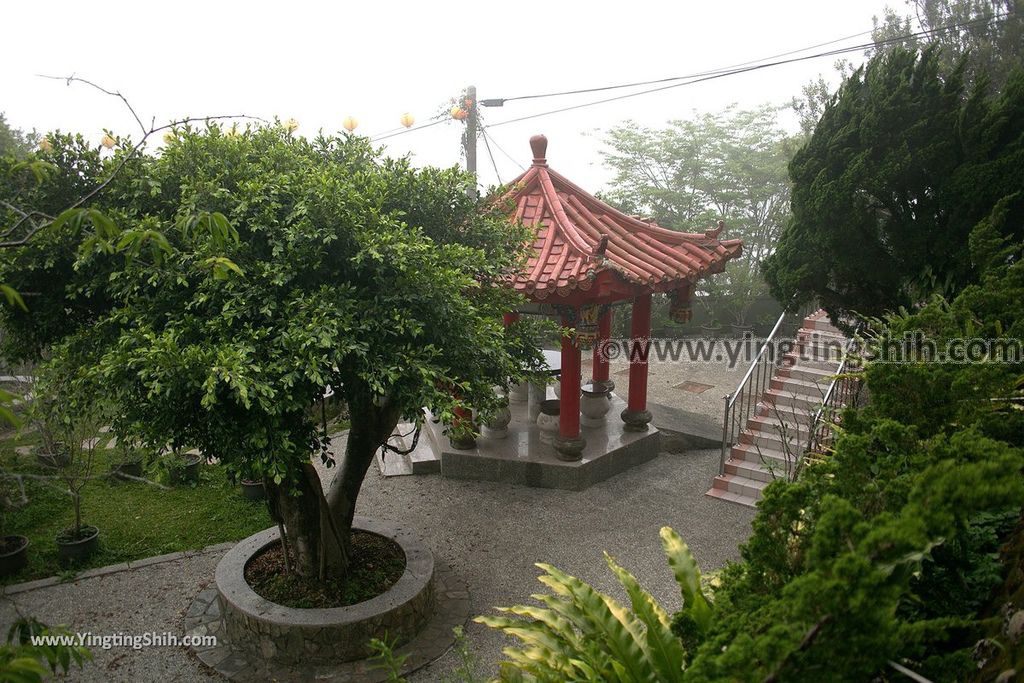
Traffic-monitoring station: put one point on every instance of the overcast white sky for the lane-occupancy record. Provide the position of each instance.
(322, 61)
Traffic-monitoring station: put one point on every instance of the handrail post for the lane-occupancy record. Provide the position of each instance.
(725, 431)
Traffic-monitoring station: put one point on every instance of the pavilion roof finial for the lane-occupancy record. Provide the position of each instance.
(539, 145)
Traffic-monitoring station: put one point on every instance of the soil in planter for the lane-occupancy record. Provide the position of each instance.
(377, 564)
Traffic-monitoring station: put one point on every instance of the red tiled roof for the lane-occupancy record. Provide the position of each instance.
(579, 237)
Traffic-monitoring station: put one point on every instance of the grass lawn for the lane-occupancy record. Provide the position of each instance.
(135, 520)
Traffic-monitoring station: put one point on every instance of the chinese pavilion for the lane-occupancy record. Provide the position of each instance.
(588, 255)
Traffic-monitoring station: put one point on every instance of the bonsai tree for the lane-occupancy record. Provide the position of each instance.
(222, 285)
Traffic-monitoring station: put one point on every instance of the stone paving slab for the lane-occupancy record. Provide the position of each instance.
(490, 533)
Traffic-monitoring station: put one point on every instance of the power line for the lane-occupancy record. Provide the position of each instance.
(636, 84)
(386, 135)
(487, 144)
(733, 72)
(700, 77)
(497, 102)
(502, 150)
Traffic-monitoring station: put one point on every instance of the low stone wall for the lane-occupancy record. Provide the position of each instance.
(287, 635)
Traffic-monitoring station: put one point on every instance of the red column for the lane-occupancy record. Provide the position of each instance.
(636, 416)
(569, 407)
(510, 318)
(600, 361)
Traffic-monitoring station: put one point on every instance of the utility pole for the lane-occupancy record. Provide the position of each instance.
(471, 123)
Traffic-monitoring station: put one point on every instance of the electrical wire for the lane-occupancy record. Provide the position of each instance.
(502, 149)
(729, 69)
(487, 144)
(385, 136)
(700, 77)
(733, 72)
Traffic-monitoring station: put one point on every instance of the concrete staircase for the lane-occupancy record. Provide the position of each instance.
(778, 431)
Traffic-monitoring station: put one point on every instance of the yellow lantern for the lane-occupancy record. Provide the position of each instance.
(459, 113)
(407, 119)
(108, 141)
(45, 145)
(291, 125)
(169, 137)
(350, 123)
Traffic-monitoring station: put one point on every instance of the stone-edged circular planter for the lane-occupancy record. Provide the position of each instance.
(14, 556)
(75, 549)
(286, 635)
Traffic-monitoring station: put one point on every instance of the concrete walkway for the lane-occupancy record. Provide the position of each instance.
(490, 533)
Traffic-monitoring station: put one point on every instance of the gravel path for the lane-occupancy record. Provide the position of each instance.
(490, 533)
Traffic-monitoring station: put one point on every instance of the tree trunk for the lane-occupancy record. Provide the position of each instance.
(372, 424)
(319, 526)
(300, 512)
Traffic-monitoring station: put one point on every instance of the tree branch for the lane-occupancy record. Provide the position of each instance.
(146, 134)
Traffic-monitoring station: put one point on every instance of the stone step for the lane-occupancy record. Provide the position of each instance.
(770, 437)
(783, 400)
(745, 469)
(812, 333)
(771, 424)
(739, 499)
(808, 373)
(773, 460)
(803, 387)
(421, 460)
(819, 320)
(793, 360)
(741, 485)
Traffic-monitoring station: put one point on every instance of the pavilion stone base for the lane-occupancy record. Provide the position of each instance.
(523, 458)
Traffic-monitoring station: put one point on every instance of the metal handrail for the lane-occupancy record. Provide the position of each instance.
(827, 400)
(761, 377)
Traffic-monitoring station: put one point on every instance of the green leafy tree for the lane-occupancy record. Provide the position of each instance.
(987, 34)
(728, 166)
(15, 142)
(902, 166)
(213, 292)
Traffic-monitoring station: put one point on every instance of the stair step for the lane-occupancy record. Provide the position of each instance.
(830, 335)
(739, 499)
(771, 459)
(740, 485)
(793, 385)
(809, 373)
(750, 470)
(793, 359)
(770, 437)
(782, 400)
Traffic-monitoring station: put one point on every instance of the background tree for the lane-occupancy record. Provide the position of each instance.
(902, 166)
(987, 34)
(221, 286)
(727, 166)
(15, 142)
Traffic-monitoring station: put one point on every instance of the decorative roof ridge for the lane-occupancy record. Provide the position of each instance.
(665, 234)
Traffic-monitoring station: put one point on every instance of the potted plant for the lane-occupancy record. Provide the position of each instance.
(128, 461)
(179, 468)
(252, 486)
(81, 540)
(462, 431)
(13, 547)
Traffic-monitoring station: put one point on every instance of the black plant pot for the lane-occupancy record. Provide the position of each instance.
(189, 472)
(130, 469)
(253, 490)
(463, 443)
(73, 549)
(13, 555)
(53, 461)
